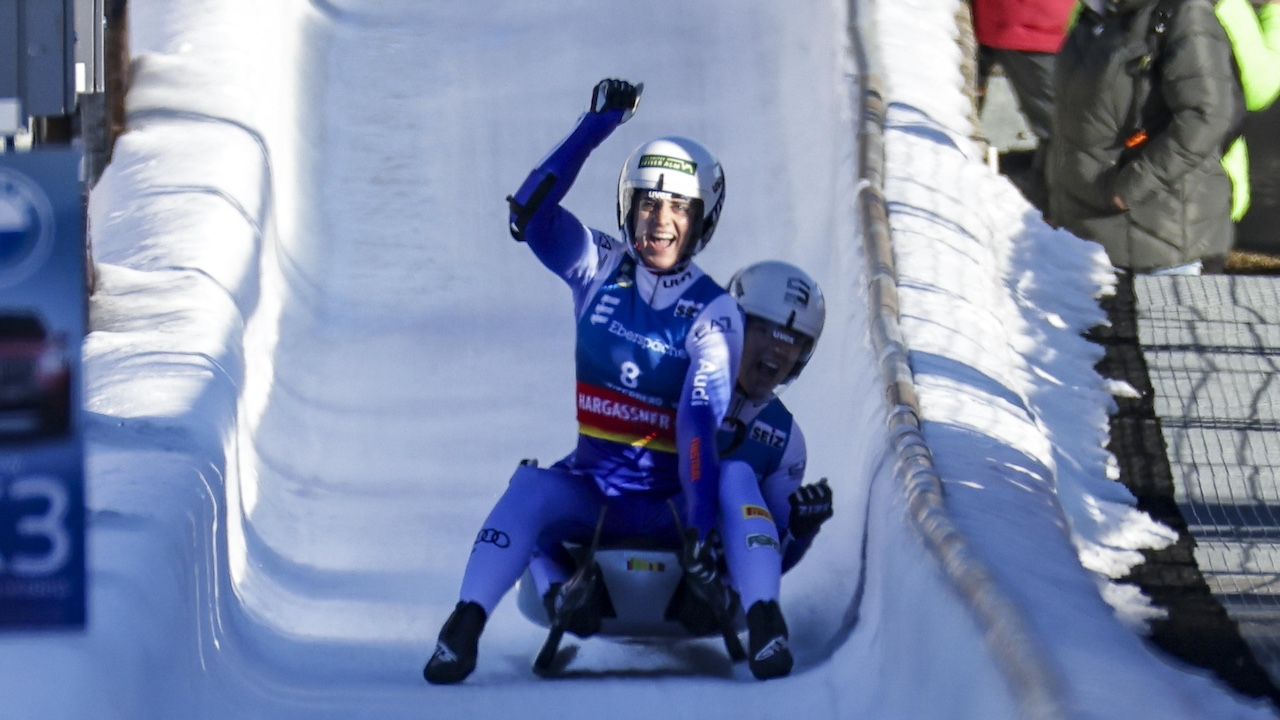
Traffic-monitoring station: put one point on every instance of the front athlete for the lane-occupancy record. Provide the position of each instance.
(658, 344)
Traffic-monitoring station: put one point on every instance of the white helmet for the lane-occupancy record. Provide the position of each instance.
(676, 165)
(785, 295)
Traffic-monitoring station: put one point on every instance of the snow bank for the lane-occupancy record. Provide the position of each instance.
(993, 304)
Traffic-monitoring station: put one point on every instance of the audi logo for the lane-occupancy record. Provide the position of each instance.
(493, 537)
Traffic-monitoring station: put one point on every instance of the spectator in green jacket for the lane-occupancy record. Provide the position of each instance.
(1255, 41)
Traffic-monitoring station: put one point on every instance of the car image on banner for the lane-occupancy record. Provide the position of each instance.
(35, 378)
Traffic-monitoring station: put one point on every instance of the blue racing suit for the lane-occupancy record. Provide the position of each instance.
(656, 359)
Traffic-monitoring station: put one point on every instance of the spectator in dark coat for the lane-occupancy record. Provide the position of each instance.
(1022, 37)
(1136, 158)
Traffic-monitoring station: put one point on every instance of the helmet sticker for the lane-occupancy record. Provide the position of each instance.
(798, 291)
(667, 162)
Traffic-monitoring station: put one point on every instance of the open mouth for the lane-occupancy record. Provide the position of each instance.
(659, 240)
(768, 367)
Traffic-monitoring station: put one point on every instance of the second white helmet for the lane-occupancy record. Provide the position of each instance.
(675, 165)
(785, 295)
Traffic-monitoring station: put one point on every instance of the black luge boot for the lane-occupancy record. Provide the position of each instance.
(457, 647)
(769, 653)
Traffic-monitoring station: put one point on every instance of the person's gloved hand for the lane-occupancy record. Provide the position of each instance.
(700, 559)
(612, 94)
(810, 507)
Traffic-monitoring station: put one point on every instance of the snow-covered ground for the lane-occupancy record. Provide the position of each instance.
(317, 356)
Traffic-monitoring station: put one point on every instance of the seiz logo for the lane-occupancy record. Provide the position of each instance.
(688, 309)
(721, 324)
(798, 292)
(751, 512)
(603, 309)
(768, 435)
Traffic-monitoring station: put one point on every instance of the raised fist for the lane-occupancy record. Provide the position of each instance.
(810, 507)
(612, 94)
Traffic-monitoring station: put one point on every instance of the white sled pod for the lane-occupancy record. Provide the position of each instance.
(644, 596)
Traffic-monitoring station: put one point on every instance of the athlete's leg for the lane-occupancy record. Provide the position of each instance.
(751, 547)
(754, 557)
(547, 571)
(538, 503)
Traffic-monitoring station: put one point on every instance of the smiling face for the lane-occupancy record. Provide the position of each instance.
(663, 225)
(769, 355)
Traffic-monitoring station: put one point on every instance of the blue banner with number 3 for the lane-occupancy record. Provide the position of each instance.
(42, 323)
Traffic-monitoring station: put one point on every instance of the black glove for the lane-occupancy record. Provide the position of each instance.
(701, 562)
(810, 507)
(700, 559)
(611, 94)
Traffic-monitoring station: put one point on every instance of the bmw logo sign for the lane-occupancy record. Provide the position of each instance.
(26, 227)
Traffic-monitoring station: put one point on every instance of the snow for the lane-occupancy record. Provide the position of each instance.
(316, 357)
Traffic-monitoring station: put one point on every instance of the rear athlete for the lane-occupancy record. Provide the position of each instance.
(785, 312)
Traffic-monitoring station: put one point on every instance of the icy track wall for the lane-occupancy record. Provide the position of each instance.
(1027, 671)
(177, 242)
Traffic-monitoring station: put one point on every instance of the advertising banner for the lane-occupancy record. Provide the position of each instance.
(42, 323)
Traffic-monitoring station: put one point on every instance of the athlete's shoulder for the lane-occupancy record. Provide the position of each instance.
(606, 245)
(609, 255)
(718, 314)
(778, 409)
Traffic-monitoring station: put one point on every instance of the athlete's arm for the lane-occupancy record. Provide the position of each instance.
(715, 348)
(778, 486)
(558, 238)
(777, 489)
